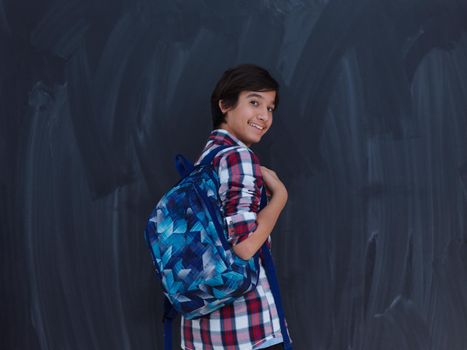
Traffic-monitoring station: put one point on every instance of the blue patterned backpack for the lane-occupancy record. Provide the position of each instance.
(199, 271)
(187, 237)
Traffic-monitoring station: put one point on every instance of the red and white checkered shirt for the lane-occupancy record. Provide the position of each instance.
(251, 320)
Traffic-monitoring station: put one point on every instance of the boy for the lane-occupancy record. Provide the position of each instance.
(242, 105)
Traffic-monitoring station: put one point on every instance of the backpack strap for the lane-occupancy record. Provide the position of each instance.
(270, 270)
(184, 166)
(210, 156)
(169, 314)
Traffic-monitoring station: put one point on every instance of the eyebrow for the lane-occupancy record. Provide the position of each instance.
(254, 95)
(259, 96)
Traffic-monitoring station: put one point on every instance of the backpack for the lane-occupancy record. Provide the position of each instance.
(186, 232)
(196, 265)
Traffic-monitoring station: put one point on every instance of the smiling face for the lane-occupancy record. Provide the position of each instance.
(251, 117)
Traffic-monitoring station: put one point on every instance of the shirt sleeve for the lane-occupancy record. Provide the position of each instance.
(240, 192)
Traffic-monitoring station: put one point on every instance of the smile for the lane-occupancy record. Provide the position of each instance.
(255, 126)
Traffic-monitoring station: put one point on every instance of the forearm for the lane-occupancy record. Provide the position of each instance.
(266, 220)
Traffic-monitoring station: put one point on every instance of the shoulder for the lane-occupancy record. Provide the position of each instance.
(239, 166)
(237, 156)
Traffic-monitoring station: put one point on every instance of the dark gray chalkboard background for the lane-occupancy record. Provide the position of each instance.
(370, 139)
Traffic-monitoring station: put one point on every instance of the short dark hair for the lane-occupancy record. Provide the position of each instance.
(244, 77)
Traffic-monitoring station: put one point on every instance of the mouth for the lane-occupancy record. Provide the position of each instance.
(256, 126)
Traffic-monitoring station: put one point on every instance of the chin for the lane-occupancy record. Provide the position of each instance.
(253, 141)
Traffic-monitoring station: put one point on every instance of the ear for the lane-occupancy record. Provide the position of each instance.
(222, 108)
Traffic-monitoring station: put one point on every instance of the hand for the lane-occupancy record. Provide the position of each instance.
(273, 183)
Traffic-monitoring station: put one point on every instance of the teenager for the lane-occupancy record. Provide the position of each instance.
(242, 106)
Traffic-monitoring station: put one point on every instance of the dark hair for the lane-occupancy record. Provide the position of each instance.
(244, 77)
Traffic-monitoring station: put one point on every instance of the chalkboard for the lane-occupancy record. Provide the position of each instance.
(370, 140)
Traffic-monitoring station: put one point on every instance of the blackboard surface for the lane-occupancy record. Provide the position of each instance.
(370, 139)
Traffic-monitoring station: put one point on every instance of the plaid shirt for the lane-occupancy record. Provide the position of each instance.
(251, 320)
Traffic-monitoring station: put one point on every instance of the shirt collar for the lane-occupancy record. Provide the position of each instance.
(223, 137)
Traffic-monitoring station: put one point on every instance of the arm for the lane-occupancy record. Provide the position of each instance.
(266, 218)
(241, 179)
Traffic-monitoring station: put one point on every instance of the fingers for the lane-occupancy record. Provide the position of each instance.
(267, 170)
(271, 173)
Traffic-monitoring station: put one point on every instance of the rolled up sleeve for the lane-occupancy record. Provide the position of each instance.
(240, 192)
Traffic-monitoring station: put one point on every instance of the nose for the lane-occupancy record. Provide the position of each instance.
(263, 115)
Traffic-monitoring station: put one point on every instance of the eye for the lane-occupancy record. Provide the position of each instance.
(254, 103)
(271, 109)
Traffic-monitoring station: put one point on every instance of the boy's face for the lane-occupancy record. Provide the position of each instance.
(251, 118)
